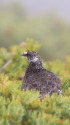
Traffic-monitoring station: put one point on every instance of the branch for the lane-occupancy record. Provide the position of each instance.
(20, 77)
(5, 65)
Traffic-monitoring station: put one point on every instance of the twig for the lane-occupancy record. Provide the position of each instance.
(20, 77)
(5, 65)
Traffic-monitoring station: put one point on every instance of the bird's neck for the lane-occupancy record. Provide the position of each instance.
(34, 67)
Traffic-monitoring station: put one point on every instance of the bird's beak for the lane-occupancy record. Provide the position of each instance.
(24, 54)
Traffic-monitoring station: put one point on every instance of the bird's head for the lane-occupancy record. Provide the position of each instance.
(32, 56)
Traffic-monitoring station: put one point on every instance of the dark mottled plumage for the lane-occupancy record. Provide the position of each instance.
(38, 78)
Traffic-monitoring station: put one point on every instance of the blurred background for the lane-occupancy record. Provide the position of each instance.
(45, 21)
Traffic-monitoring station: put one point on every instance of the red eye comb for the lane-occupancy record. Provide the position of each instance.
(29, 53)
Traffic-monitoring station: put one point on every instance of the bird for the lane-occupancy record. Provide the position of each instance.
(38, 78)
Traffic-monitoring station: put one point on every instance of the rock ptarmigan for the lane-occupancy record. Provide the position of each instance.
(38, 78)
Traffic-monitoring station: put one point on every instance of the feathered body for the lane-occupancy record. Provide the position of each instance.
(38, 78)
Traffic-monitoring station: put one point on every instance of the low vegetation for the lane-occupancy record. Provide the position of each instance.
(25, 108)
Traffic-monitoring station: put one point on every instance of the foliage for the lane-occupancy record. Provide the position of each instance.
(24, 108)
